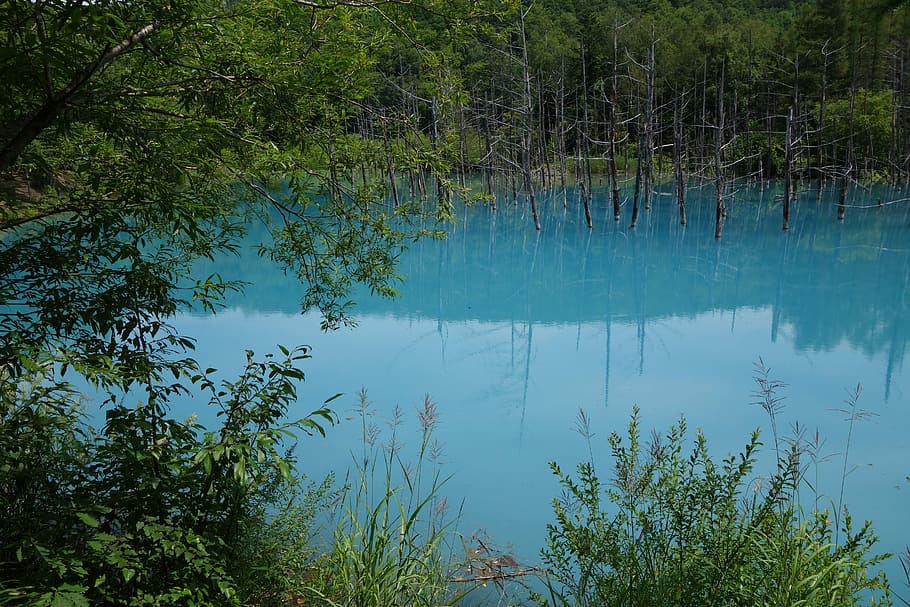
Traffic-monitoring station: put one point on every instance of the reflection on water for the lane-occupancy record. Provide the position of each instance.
(511, 331)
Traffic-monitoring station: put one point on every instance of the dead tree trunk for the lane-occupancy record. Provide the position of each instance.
(585, 143)
(561, 133)
(894, 134)
(390, 165)
(527, 126)
(720, 210)
(678, 109)
(700, 130)
(788, 159)
(647, 131)
(614, 101)
(637, 190)
(767, 159)
(848, 163)
(823, 98)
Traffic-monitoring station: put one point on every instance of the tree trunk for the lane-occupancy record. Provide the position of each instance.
(647, 131)
(527, 127)
(848, 161)
(677, 159)
(585, 144)
(718, 160)
(24, 129)
(561, 134)
(614, 101)
(823, 98)
(788, 156)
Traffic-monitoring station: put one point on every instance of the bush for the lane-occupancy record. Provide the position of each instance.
(152, 510)
(672, 528)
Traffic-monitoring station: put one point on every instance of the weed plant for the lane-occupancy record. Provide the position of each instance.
(392, 539)
(673, 526)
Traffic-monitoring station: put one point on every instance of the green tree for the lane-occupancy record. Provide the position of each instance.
(135, 139)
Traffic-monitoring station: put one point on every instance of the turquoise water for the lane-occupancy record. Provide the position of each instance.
(511, 331)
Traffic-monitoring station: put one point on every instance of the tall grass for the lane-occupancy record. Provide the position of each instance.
(392, 540)
(668, 524)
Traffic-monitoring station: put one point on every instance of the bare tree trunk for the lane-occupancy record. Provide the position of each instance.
(390, 166)
(848, 163)
(527, 126)
(462, 142)
(647, 131)
(718, 160)
(788, 158)
(614, 101)
(700, 131)
(334, 190)
(637, 190)
(893, 153)
(823, 98)
(904, 105)
(842, 194)
(542, 156)
(677, 158)
(733, 142)
(561, 133)
(750, 88)
(795, 137)
(766, 161)
(585, 144)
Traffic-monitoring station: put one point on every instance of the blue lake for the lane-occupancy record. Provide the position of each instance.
(511, 331)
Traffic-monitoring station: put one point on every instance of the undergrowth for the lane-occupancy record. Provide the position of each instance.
(671, 525)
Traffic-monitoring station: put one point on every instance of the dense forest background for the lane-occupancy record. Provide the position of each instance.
(725, 91)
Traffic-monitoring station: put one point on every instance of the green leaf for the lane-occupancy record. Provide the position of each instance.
(88, 519)
(69, 596)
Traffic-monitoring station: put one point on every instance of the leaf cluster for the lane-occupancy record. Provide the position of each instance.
(152, 510)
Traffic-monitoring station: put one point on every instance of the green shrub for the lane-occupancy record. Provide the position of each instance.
(677, 528)
(151, 510)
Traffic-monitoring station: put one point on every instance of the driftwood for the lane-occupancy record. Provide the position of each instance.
(489, 563)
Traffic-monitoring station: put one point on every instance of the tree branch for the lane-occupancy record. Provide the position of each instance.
(25, 129)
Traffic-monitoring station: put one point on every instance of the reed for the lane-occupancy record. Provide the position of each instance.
(392, 543)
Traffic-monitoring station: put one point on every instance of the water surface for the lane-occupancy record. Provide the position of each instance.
(512, 331)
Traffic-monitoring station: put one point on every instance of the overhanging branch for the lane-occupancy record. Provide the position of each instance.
(25, 129)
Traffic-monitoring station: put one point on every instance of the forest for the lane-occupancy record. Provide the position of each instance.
(665, 91)
(140, 138)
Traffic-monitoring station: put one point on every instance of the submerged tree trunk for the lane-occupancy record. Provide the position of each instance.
(527, 126)
(788, 159)
(614, 101)
(720, 211)
(677, 160)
